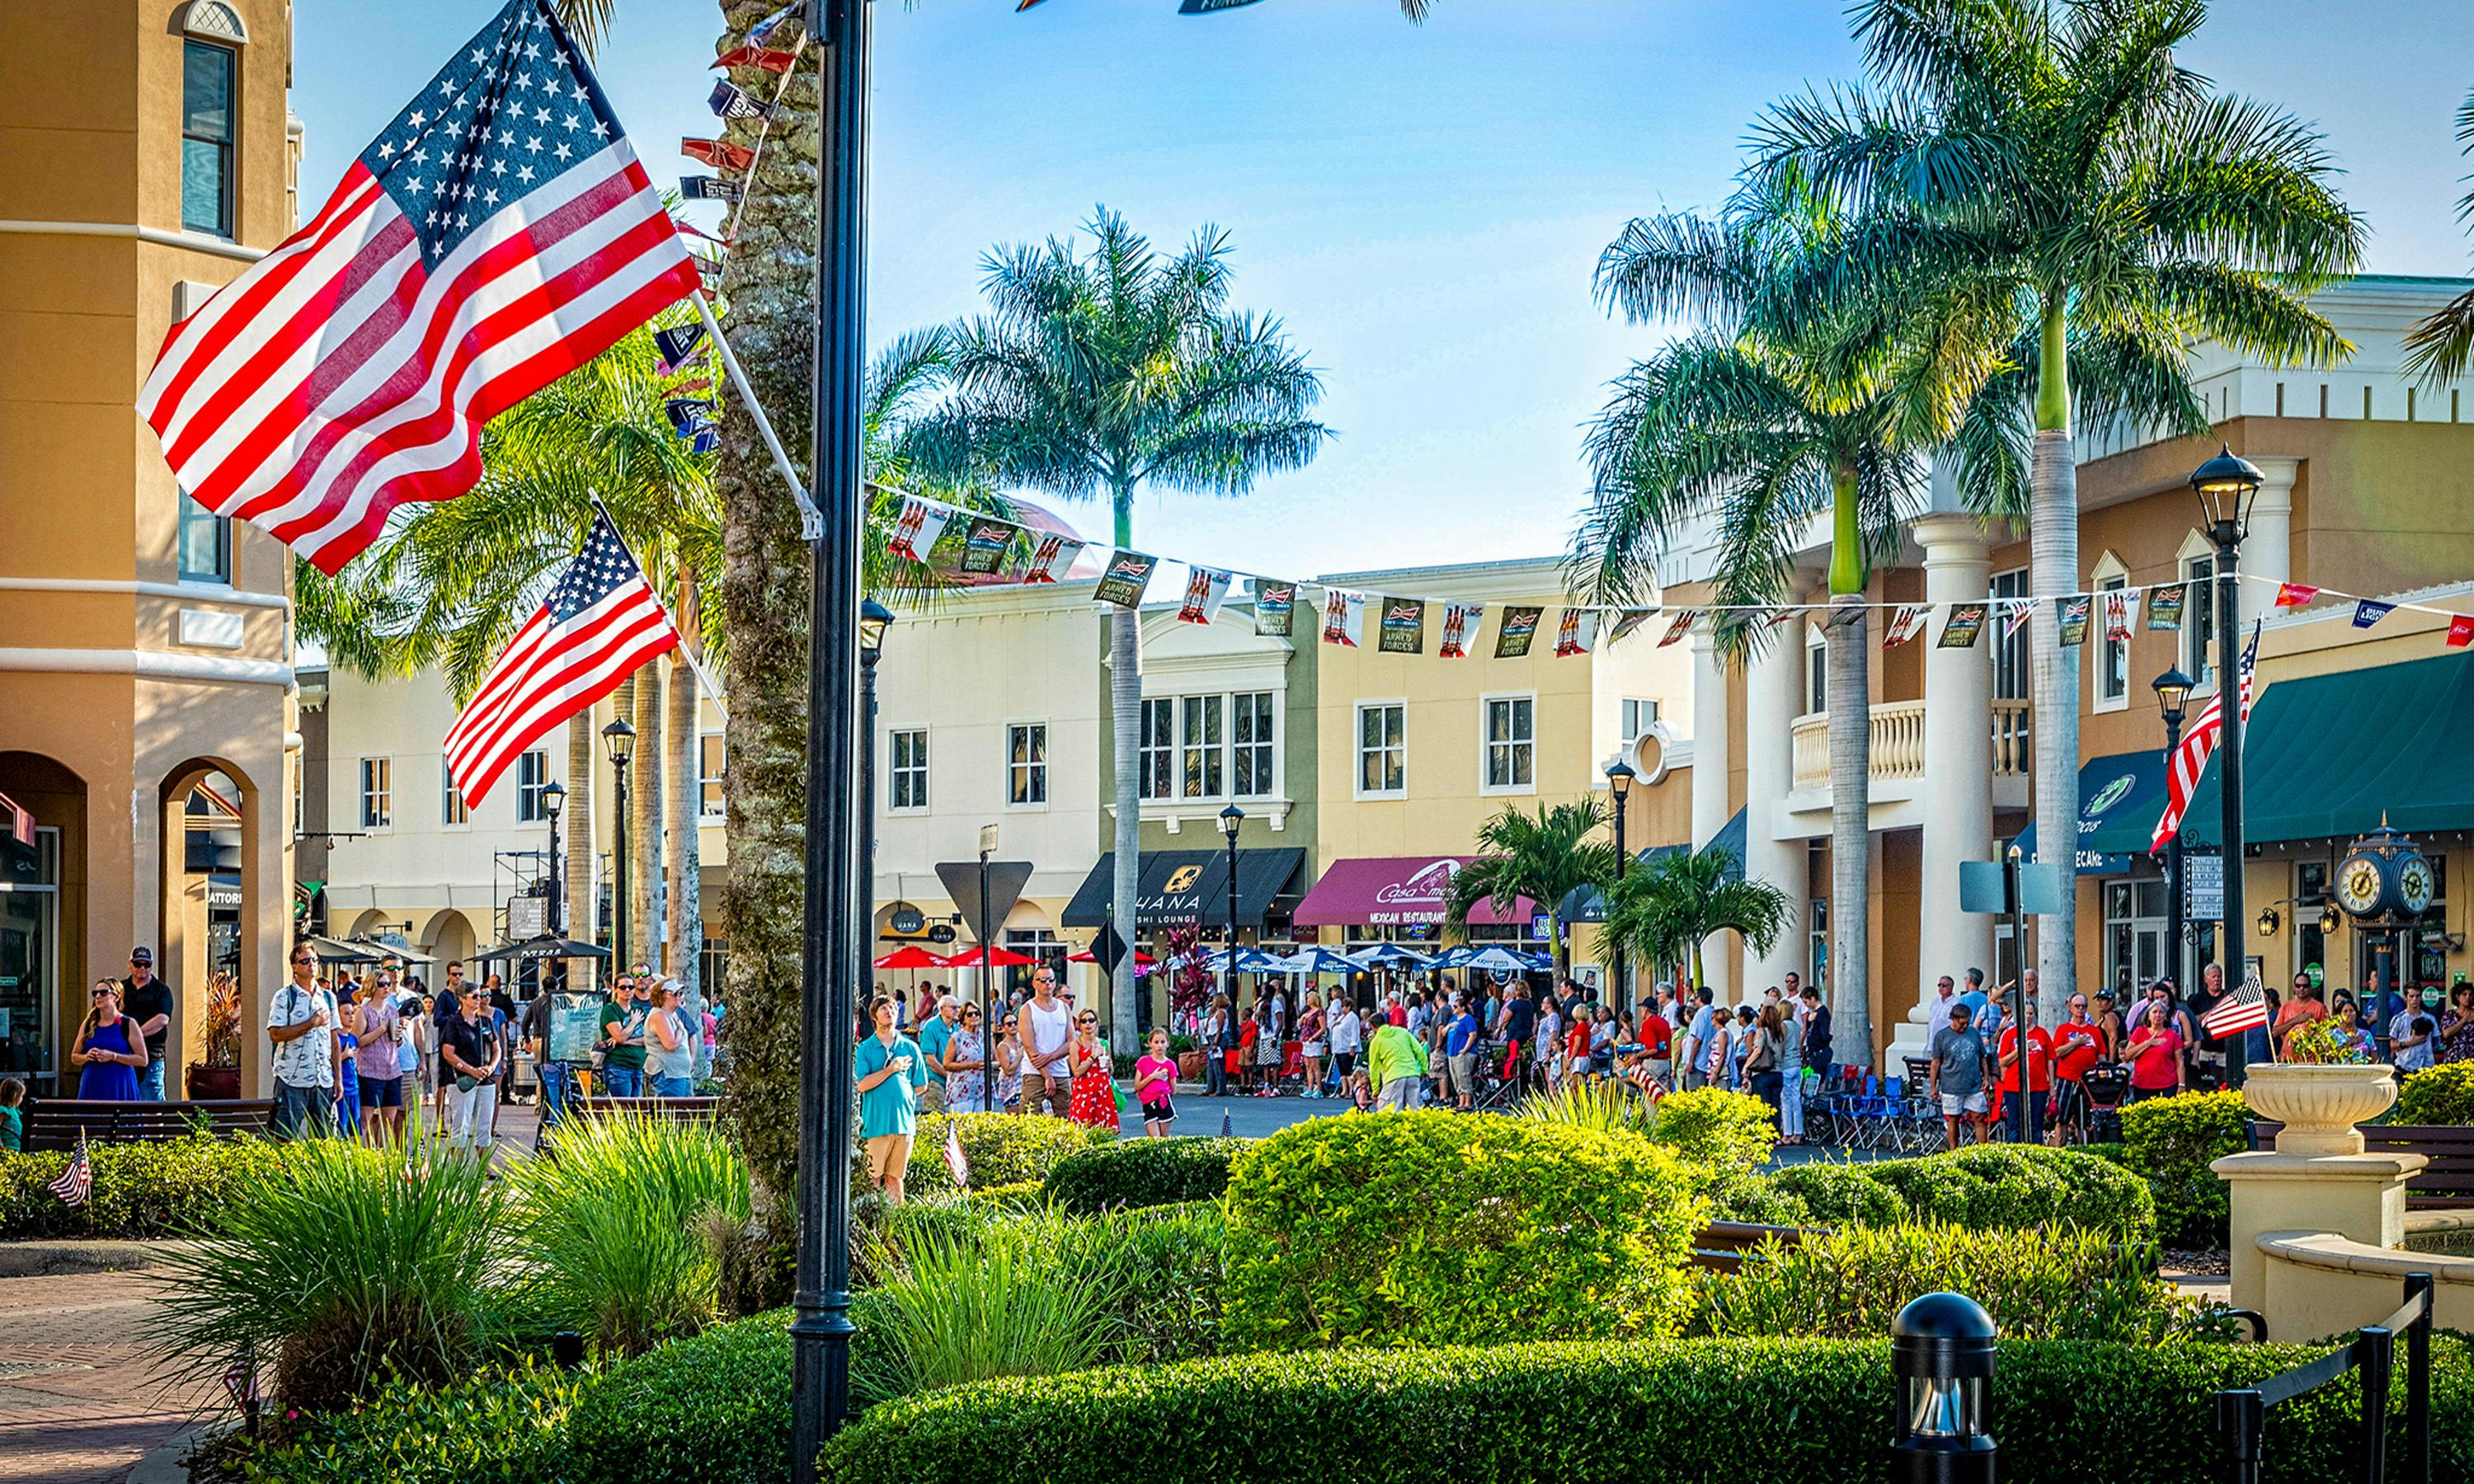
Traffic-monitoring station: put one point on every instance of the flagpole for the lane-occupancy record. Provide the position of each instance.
(812, 521)
(832, 961)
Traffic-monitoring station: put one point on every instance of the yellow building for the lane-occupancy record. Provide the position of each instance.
(146, 157)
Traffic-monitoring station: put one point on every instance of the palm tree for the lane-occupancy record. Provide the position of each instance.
(1543, 857)
(2055, 154)
(1663, 911)
(2437, 347)
(1097, 373)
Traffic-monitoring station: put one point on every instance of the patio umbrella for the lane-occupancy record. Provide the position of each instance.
(1320, 960)
(910, 956)
(330, 950)
(545, 946)
(390, 950)
(1388, 955)
(1250, 961)
(1457, 956)
(998, 958)
(1142, 960)
(1498, 961)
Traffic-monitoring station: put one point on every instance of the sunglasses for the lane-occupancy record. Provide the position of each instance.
(1088, 1021)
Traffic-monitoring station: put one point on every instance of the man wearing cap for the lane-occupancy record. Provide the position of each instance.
(936, 1032)
(148, 1001)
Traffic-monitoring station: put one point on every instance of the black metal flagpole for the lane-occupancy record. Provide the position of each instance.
(832, 943)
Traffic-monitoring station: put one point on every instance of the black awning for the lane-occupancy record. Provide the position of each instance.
(1189, 886)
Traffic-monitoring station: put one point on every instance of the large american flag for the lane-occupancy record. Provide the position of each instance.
(601, 621)
(496, 236)
(2191, 757)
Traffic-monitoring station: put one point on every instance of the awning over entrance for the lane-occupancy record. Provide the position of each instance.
(2121, 796)
(1189, 886)
(1397, 890)
(1730, 838)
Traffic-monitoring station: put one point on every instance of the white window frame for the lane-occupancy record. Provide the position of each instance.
(1358, 749)
(712, 803)
(2001, 585)
(2197, 650)
(453, 812)
(1266, 776)
(2108, 575)
(529, 791)
(1026, 774)
(1486, 745)
(1157, 760)
(1816, 671)
(896, 771)
(1630, 722)
(1199, 755)
(376, 778)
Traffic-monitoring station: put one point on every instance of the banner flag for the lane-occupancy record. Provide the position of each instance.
(1576, 632)
(1460, 621)
(721, 153)
(730, 100)
(1518, 626)
(676, 345)
(772, 59)
(2461, 632)
(1682, 626)
(707, 188)
(1275, 607)
(706, 439)
(1404, 626)
(1959, 629)
(987, 543)
(1051, 556)
(1343, 617)
(2164, 607)
(2370, 611)
(1128, 573)
(793, 14)
(916, 530)
(2014, 612)
(2117, 616)
(1206, 589)
(1632, 618)
(2073, 615)
(1905, 624)
(689, 413)
(1780, 615)
(2294, 594)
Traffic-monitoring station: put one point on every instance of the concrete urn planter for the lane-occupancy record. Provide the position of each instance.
(2319, 1105)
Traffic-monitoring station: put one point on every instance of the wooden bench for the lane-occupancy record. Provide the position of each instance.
(2446, 1182)
(665, 1110)
(1722, 1246)
(54, 1122)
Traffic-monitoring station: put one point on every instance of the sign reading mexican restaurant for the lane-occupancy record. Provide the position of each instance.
(1397, 890)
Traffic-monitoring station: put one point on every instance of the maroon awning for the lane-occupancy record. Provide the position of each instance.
(1396, 890)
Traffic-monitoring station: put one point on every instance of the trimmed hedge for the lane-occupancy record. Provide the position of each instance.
(499, 1427)
(2172, 1142)
(1812, 1411)
(2438, 1094)
(1730, 1135)
(1000, 1149)
(1982, 1186)
(1139, 1172)
(713, 1410)
(1835, 1194)
(140, 1190)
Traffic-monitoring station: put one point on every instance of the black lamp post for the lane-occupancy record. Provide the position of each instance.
(619, 739)
(554, 800)
(1619, 781)
(873, 618)
(2228, 485)
(1229, 819)
(1942, 1350)
(2172, 695)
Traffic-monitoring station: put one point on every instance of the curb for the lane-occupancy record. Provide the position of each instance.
(49, 1260)
(163, 1466)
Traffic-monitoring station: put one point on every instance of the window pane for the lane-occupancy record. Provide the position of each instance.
(1369, 727)
(1395, 725)
(1520, 765)
(205, 91)
(206, 552)
(710, 765)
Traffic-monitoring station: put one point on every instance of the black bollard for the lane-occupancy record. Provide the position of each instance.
(1942, 1351)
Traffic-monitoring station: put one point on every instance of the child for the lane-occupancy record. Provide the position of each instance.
(12, 1127)
(348, 1078)
(1154, 1080)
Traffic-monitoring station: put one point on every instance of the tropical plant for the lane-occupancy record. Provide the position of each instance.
(1543, 856)
(1097, 373)
(2323, 1042)
(1730, 1135)
(2052, 165)
(961, 1310)
(1662, 912)
(1601, 1107)
(2437, 347)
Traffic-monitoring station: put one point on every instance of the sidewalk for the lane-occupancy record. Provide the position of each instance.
(79, 1401)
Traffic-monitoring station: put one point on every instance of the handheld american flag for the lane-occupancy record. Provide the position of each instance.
(2190, 756)
(2240, 1010)
(496, 236)
(600, 622)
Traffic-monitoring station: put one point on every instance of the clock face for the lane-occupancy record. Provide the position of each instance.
(2358, 886)
(2414, 884)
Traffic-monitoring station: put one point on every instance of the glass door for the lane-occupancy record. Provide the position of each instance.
(30, 966)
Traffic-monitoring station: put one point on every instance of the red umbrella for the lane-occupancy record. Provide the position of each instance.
(1142, 960)
(912, 956)
(998, 958)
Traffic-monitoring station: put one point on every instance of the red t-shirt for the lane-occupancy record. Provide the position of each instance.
(1659, 1036)
(2040, 1060)
(2072, 1059)
(1398, 1014)
(2158, 1062)
(1577, 1044)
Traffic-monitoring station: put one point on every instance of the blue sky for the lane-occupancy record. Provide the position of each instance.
(1421, 206)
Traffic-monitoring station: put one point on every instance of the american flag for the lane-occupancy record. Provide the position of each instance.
(954, 1159)
(2238, 1012)
(496, 236)
(2191, 757)
(77, 1181)
(600, 622)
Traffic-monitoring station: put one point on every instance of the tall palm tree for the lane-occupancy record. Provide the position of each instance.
(1665, 911)
(2439, 346)
(1099, 373)
(1543, 856)
(2056, 152)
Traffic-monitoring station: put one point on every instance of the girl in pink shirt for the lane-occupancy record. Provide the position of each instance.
(1154, 1080)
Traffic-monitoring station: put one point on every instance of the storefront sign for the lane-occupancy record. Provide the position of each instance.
(2203, 878)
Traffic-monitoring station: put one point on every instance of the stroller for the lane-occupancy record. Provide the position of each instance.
(1495, 1093)
(2102, 1090)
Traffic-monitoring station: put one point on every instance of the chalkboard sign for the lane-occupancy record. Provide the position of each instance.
(575, 1025)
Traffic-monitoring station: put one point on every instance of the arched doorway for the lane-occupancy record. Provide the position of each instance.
(450, 938)
(211, 898)
(43, 875)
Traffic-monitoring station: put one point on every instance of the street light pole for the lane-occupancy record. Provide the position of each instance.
(553, 804)
(619, 739)
(1620, 781)
(1230, 818)
(2226, 485)
(2172, 690)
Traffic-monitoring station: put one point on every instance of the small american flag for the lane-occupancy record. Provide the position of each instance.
(954, 1159)
(240, 1380)
(496, 236)
(75, 1183)
(2238, 1012)
(2190, 756)
(600, 622)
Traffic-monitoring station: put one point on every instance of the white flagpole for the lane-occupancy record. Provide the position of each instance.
(811, 520)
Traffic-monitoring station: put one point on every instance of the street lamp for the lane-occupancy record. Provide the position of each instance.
(553, 803)
(1619, 781)
(2173, 699)
(618, 740)
(873, 618)
(1229, 819)
(2227, 486)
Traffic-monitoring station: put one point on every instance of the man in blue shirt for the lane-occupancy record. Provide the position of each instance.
(1696, 1041)
(890, 1073)
(936, 1032)
(1460, 1053)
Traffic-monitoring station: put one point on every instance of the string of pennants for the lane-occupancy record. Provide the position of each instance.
(988, 545)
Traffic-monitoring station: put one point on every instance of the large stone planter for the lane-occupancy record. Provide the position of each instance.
(2318, 1104)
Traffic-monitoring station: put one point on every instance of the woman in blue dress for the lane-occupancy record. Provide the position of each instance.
(104, 1049)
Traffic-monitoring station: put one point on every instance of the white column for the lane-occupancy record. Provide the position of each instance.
(2268, 546)
(1958, 792)
(1712, 760)
(1773, 685)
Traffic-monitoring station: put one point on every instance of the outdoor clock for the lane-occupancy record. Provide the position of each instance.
(2384, 880)
(2358, 886)
(2413, 885)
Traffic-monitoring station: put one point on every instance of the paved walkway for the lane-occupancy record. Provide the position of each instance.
(79, 1403)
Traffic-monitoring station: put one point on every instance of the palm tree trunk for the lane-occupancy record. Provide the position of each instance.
(771, 278)
(2053, 547)
(579, 842)
(1125, 705)
(1851, 806)
(645, 837)
(687, 807)
(1696, 963)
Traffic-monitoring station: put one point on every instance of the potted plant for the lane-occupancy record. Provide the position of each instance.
(2325, 1084)
(218, 1076)
(1189, 992)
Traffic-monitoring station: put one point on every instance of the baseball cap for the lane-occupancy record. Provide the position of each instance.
(142, 955)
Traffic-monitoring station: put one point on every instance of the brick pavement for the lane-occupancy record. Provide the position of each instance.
(79, 1402)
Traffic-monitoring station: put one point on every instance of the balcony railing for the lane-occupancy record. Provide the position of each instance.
(1898, 743)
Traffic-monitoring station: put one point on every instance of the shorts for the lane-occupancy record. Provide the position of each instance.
(375, 1094)
(1345, 1062)
(1313, 1048)
(1955, 1104)
(886, 1154)
(1464, 1071)
(1159, 1110)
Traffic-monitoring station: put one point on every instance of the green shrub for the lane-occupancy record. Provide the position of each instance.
(2438, 1094)
(2062, 1284)
(966, 1306)
(1759, 1200)
(346, 1265)
(1137, 1172)
(621, 1231)
(1603, 1106)
(498, 1427)
(713, 1408)
(1000, 1149)
(2019, 1186)
(140, 1191)
(1419, 1227)
(1161, 1270)
(1839, 1194)
(1728, 1133)
(1684, 1411)
(2172, 1142)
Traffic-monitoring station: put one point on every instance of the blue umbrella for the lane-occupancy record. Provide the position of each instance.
(1320, 960)
(1499, 961)
(1457, 956)
(1390, 955)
